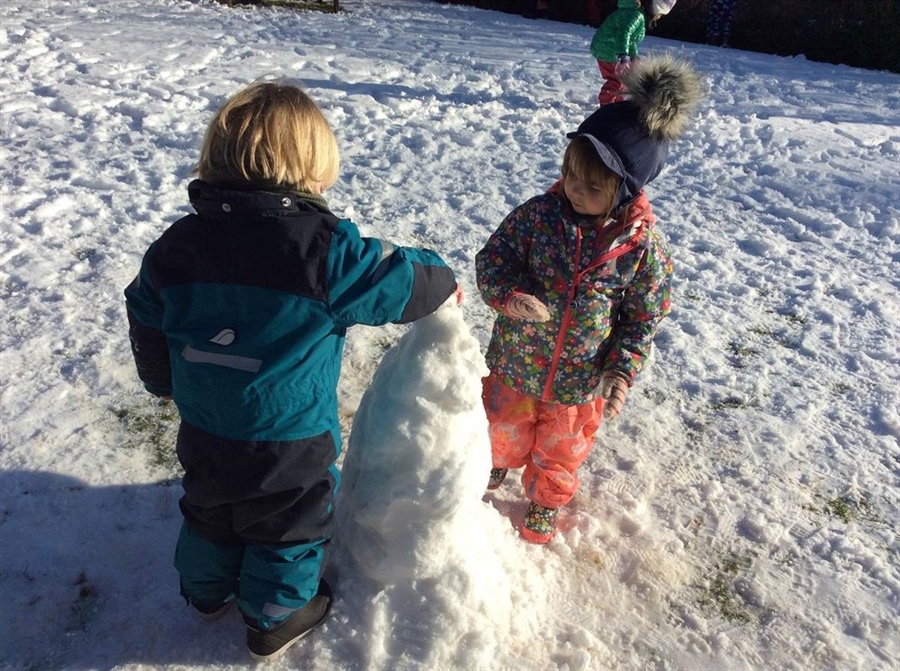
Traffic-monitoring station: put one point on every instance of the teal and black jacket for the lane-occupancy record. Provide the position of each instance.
(240, 313)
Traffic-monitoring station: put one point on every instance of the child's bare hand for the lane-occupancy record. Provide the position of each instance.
(525, 307)
(613, 389)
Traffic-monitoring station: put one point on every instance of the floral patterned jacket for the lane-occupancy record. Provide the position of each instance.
(607, 289)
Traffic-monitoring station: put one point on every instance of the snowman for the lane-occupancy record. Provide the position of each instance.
(410, 512)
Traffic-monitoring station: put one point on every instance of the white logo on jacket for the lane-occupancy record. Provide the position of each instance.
(224, 337)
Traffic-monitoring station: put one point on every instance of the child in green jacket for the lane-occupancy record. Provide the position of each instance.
(614, 45)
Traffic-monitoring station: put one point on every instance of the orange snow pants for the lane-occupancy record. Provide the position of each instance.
(550, 440)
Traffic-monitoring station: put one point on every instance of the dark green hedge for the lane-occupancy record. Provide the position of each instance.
(861, 33)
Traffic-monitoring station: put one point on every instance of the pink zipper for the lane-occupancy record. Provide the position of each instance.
(573, 288)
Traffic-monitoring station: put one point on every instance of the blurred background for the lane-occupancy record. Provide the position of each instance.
(860, 33)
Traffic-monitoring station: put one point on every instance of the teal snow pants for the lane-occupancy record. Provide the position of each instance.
(269, 581)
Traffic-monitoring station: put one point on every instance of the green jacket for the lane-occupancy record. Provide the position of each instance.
(620, 33)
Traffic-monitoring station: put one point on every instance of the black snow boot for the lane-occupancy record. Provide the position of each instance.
(265, 645)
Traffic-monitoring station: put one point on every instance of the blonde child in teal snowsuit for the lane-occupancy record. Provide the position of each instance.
(239, 313)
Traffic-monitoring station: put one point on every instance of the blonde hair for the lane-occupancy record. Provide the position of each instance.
(582, 161)
(271, 135)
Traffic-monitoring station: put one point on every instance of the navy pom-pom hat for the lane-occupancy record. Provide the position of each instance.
(632, 137)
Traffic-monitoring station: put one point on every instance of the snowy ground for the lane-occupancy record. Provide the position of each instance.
(742, 514)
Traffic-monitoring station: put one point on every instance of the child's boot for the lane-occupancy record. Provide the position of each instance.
(497, 477)
(539, 525)
(265, 645)
(213, 611)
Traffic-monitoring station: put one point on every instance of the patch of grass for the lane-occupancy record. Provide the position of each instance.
(721, 597)
(762, 331)
(742, 351)
(152, 426)
(730, 403)
(847, 509)
(794, 318)
(655, 395)
(841, 508)
(770, 334)
(735, 563)
(786, 558)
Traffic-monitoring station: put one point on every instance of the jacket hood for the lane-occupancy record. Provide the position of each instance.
(661, 7)
(632, 137)
(629, 4)
(223, 202)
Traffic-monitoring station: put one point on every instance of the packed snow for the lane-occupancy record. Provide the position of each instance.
(741, 514)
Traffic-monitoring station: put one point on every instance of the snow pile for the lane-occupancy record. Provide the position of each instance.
(419, 454)
(410, 511)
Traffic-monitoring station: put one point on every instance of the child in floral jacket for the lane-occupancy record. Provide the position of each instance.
(581, 279)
